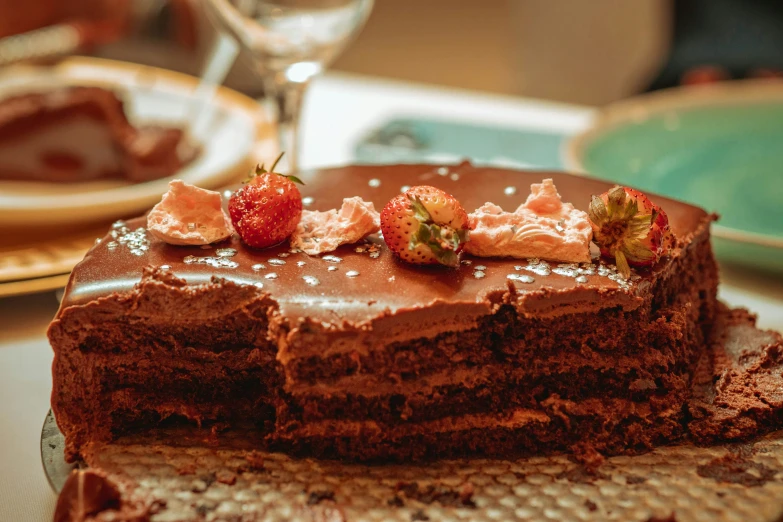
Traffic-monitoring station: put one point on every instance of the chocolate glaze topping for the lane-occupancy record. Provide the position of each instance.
(384, 286)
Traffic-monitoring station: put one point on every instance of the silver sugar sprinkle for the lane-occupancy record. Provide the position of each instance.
(258, 266)
(478, 274)
(271, 275)
(307, 201)
(405, 188)
(467, 262)
(374, 183)
(332, 259)
(311, 280)
(283, 254)
(276, 262)
(215, 262)
(510, 191)
(227, 194)
(111, 245)
(300, 263)
(165, 267)
(454, 176)
(259, 285)
(375, 255)
(97, 241)
(332, 269)
(136, 241)
(567, 269)
(351, 273)
(479, 267)
(581, 279)
(226, 252)
(521, 278)
(538, 267)
(442, 171)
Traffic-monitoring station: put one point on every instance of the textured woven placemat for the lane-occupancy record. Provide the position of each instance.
(195, 481)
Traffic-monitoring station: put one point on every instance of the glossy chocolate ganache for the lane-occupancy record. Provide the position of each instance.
(377, 278)
(355, 354)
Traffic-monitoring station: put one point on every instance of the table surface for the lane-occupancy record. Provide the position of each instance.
(339, 111)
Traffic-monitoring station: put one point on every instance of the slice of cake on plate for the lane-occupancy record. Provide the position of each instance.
(82, 134)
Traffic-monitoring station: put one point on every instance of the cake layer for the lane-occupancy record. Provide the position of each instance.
(658, 365)
(606, 425)
(736, 394)
(204, 344)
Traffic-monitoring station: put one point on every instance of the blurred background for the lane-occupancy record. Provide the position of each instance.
(678, 97)
(578, 52)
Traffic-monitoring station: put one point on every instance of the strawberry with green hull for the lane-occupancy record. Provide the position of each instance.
(629, 228)
(266, 210)
(425, 226)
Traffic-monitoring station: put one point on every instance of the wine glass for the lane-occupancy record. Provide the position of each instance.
(290, 42)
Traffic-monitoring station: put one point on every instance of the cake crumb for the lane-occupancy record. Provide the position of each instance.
(255, 460)
(590, 505)
(226, 477)
(395, 501)
(443, 495)
(317, 496)
(634, 479)
(588, 456)
(735, 469)
(187, 469)
(419, 515)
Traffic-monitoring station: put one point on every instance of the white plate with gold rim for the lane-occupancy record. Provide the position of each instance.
(231, 128)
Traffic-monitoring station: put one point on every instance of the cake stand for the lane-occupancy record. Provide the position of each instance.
(190, 480)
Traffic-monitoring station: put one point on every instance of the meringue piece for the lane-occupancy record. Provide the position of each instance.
(319, 232)
(188, 215)
(542, 227)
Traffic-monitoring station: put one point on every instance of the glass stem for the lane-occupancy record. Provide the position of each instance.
(287, 97)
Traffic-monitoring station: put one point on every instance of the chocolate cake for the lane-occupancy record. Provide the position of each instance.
(357, 355)
(80, 134)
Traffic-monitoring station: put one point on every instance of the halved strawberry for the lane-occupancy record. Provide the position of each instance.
(425, 226)
(267, 209)
(629, 228)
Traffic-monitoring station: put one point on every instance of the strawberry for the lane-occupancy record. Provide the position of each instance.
(425, 226)
(630, 228)
(266, 210)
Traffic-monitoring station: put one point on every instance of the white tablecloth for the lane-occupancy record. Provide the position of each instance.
(339, 111)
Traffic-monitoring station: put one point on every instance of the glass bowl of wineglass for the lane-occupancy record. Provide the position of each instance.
(291, 41)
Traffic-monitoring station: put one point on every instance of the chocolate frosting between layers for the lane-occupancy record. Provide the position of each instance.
(386, 292)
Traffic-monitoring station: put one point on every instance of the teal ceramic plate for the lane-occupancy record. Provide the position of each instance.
(718, 146)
